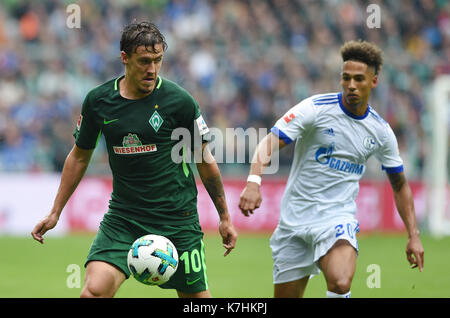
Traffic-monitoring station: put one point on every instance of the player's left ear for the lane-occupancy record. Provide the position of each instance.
(124, 57)
(374, 81)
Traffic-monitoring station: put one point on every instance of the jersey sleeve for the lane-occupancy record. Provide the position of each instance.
(196, 124)
(388, 154)
(295, 121)
(87, 131)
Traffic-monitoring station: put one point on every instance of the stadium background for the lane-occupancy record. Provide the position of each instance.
(246, 63)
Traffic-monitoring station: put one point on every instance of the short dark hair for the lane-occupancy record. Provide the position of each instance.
(141, 33)
(363, 51)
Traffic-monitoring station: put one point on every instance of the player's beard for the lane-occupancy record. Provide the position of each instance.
(354, 102)
(146, 89)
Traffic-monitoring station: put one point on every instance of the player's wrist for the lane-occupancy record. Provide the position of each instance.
(254, 178)
(224, 217)
(414, 234)
(55, 213)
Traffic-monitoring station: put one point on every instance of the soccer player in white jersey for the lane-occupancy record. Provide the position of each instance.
(334, 135)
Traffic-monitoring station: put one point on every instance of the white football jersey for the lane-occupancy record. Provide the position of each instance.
(331, 150)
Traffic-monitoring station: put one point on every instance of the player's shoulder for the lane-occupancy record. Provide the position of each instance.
(318, 103)
(173, 89)
(172, 93)
(324, 99)
(379, 124)
(373, 114)
(105, 89)
(312, 102)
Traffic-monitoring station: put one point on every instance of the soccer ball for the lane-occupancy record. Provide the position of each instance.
(152, 259)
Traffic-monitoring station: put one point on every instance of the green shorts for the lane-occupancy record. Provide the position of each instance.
(116, 234)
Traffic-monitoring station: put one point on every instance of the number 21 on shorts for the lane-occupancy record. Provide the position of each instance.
(342, 228)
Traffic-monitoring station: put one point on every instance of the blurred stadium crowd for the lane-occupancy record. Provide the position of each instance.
(246, 63)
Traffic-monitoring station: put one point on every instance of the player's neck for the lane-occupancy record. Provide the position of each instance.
(128, 90)
(359, 109)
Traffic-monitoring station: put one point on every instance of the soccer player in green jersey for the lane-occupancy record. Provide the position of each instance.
(152, 194)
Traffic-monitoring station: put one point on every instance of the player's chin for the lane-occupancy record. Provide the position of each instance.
(354, 102)
(352, 99)
(145, 89)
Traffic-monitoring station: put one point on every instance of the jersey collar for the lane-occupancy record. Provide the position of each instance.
(116, 82)
(349, 113)
(116, 86)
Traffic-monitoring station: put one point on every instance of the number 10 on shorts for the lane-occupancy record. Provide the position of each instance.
(192, 260)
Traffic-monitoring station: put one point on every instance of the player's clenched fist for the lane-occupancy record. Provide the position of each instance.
(250, 198)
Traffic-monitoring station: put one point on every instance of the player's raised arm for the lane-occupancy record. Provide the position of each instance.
(405, 206)
(212, 180)
(75, 166)
(250, 198)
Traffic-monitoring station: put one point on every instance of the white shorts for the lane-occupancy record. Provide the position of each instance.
(296, 251)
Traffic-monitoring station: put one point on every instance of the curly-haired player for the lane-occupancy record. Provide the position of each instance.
(334, 136)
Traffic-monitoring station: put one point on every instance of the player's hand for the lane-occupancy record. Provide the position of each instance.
(415, 252)
(229, 235)
(47, 223)
(250, 198)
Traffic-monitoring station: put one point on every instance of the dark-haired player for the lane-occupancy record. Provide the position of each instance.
(152, 194)
(334, 136)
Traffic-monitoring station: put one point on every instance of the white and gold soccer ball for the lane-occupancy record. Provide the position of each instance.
(152, 259)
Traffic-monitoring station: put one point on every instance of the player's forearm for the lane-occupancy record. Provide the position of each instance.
(262, 156)
(404, 202)
(405, 206)
(212, 180)
(74, 168)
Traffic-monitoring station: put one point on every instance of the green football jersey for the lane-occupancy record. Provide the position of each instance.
(148, 185)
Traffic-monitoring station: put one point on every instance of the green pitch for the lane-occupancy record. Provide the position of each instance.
(55, 269)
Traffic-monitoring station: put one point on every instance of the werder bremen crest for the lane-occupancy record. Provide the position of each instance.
(156, 121)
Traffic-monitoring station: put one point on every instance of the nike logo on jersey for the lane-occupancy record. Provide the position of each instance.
(106, 122)
(191, 282)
